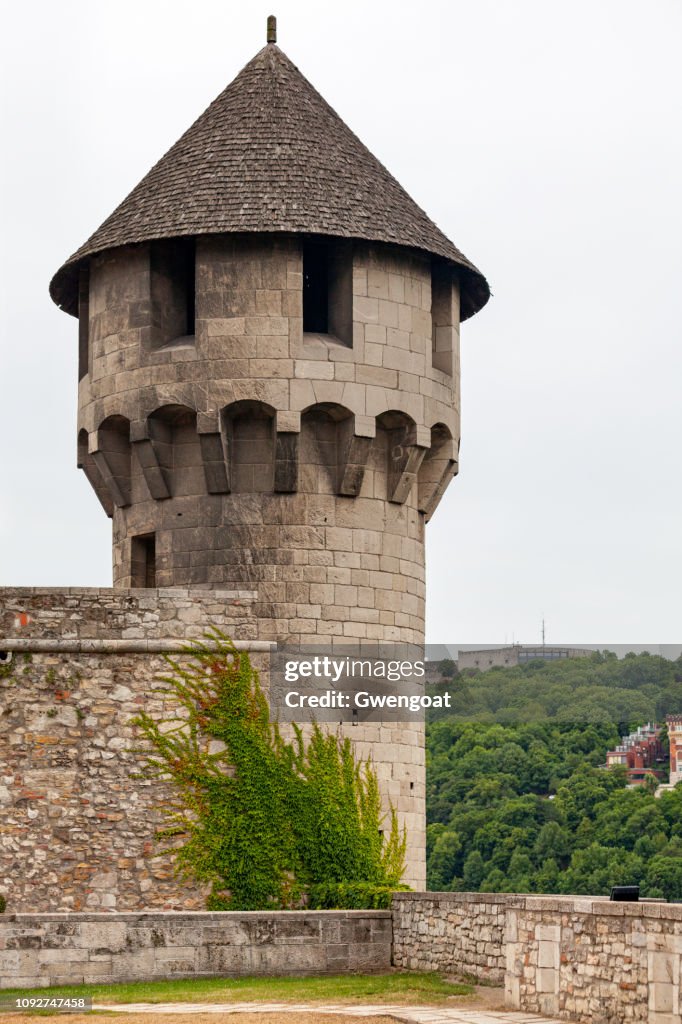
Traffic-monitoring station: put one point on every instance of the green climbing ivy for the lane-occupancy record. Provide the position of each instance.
(266, 821)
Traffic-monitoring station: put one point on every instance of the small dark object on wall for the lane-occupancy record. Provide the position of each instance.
(625, 893)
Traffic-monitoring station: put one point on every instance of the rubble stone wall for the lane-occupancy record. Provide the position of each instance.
(453, 932)
(77, 827)
(574, 958)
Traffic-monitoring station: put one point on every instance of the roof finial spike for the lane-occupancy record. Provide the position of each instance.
(272, 28)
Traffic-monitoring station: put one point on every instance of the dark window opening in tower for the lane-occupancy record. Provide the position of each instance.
(443, 326)
(315, 288)
(173, 292)
(328, 290)
(83, 322)
(189, 274)
(143, 561)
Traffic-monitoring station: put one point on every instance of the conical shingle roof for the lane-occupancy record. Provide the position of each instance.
(270, 155)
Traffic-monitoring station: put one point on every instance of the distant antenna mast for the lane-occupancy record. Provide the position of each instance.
(543, 631)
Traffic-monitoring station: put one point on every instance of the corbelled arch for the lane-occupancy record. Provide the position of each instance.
(249, 429)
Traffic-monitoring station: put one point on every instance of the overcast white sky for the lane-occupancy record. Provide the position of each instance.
(543, 137)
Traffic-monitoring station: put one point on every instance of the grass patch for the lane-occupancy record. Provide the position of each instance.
(396, 987)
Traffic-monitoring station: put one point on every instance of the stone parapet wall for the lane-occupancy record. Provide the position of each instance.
(578, 958)
(575, 958)
(453, 932)
(72, 949)
(68, 614)
(589, 960)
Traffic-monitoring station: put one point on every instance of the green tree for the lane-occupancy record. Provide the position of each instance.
(495, 881)
(474, 872)
(443, 860)
(595, 869)
(552, 842)
(548, 878)
(519, 873)
(664, 877)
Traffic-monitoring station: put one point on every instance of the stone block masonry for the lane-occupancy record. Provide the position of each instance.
(262, 456)
(39, 950)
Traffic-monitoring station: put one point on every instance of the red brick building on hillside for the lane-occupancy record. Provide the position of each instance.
(641, 753)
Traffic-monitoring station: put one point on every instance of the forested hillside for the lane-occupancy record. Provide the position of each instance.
(516, 800)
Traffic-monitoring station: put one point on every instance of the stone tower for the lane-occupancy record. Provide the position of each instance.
(269, 379)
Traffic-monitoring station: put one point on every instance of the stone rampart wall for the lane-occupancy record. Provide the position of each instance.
(60, 949)
(574, 958)
(577, 958)
(82, 614)
(593, 961)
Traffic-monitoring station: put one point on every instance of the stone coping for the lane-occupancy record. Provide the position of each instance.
(38, 645)
(457, 897)
(600, 905)
(648, 908)
(190, 915)
(196, 593)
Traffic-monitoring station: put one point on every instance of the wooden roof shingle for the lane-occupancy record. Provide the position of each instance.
(270, 155)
